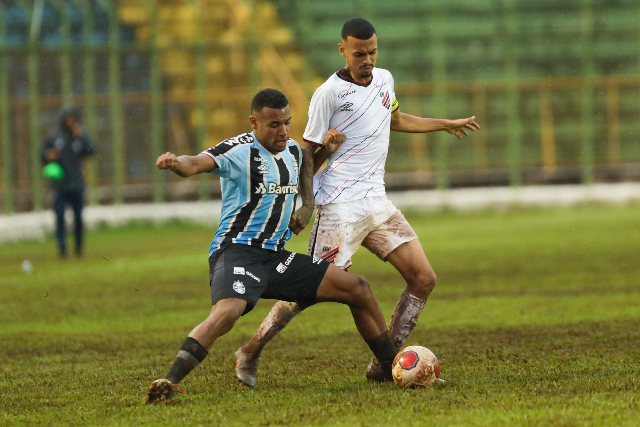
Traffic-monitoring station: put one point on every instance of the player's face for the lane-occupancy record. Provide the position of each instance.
(271, 127)
(361, 56)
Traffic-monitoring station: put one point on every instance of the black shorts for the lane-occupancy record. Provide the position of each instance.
(249, 273)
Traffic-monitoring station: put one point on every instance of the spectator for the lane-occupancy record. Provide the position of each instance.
(67, 145)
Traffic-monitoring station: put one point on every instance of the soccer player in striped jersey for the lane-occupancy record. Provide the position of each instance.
(353, 210)
(247, 260)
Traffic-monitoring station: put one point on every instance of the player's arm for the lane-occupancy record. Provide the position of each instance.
(302, 215)
(402, 122)
(332, 140)
(310, 166)
(186, 165)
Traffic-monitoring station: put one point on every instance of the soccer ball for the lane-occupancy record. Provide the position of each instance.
(416, 366)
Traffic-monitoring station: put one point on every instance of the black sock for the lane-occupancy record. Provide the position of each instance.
(384, 350)
(190, 355)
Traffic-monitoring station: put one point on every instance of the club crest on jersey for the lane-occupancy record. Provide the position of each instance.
(238, 287)
(295, 165)
(274, 188)
(386, 99)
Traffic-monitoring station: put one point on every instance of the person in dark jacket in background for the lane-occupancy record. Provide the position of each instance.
(67, 145)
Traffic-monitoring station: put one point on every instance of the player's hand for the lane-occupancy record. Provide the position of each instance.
(168, 161)
(459, 127)
(300, 218)
(333, 139)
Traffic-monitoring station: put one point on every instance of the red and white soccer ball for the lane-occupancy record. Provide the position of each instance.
(416, 366)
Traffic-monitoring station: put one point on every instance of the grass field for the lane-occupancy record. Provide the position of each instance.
(535, 320)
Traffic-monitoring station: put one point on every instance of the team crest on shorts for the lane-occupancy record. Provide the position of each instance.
(238, 287)
(330, 253)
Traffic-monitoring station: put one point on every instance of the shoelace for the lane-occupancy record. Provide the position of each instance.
(175, 386)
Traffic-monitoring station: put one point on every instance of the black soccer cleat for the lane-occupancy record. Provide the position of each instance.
(375, 372)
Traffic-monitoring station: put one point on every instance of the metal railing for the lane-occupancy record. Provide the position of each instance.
(132, 123)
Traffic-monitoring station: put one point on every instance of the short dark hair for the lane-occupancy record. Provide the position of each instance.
(358, 28)
(271, 98)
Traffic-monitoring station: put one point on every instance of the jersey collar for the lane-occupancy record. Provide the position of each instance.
(277, 156)
(345, 75)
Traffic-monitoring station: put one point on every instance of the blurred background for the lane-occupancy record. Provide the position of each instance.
(554, 85)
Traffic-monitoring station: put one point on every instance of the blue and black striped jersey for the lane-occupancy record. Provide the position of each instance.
(258, 192)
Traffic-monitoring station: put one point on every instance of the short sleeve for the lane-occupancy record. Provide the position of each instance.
(321, 110)
(231, 157)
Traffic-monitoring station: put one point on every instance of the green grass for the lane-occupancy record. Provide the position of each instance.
(535, 320)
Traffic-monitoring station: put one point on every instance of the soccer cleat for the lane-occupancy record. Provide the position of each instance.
(376, 373)
(160, 390)
(246, 368)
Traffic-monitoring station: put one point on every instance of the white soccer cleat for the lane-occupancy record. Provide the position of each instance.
(160, 391)
(246, 368)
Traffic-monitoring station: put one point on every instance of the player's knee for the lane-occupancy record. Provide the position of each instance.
(223, 320)
(423, 281)
(361, 290)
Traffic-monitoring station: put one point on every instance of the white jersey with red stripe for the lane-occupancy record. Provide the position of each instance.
(363, 112)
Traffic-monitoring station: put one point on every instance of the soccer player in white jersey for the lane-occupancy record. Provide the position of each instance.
(353, 210)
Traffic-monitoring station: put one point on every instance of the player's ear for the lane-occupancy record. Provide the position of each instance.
(254, 122)
(341, 49)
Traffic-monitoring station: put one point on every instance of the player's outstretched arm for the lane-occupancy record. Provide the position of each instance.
(401, 122)
(186, 165)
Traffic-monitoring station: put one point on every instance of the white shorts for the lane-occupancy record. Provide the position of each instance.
(374, 222)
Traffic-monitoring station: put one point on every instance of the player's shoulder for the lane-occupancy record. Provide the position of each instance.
(292, 143)
(293, 147)
(332, 85)
(330, 91)
(385, 73)
(294, 150)
(238, 143)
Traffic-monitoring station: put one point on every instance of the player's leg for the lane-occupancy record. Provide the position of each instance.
(195, 347)
(412, 263)
(59, 204)
(354, 291)
(396, 242)
(310, 281)
(247, 356)
(334, 239)
(237, 279)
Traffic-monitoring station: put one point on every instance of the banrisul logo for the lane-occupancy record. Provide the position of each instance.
(273, 188)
